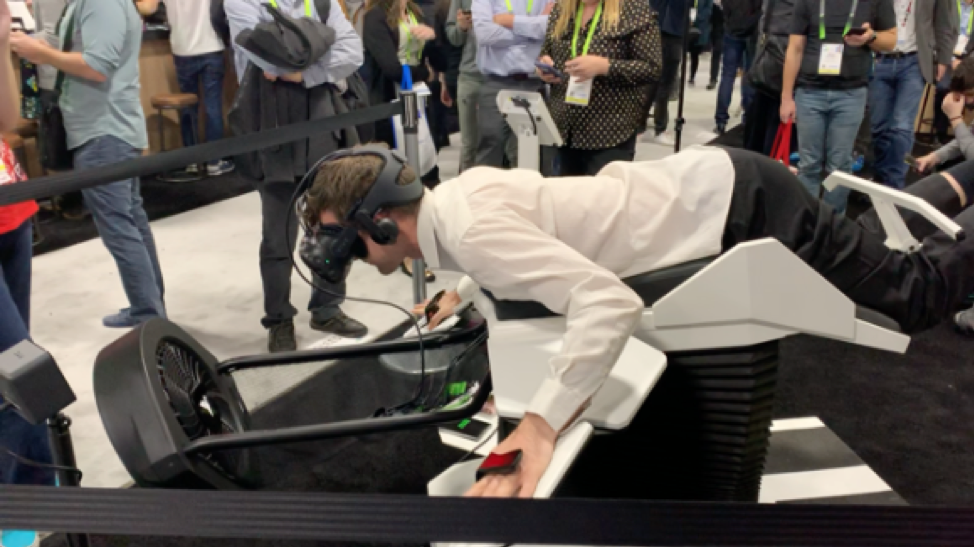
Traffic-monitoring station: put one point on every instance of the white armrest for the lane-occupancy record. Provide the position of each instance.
(460, 477)
(885, 200)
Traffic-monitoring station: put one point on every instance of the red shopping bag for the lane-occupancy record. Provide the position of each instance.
(781, 150)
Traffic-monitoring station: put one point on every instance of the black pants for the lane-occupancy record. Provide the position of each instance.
(276, 248)
(761, 124)
(672, 55)
(695, 50)
(917, 290)
(576, 162)
(717, 47)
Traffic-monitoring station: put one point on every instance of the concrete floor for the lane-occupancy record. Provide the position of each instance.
(209, 261)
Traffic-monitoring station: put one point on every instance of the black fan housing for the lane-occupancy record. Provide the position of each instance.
(157, 390)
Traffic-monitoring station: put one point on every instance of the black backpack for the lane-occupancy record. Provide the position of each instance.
(742, 17)
(218, 17)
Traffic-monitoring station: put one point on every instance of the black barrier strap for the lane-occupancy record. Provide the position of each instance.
(63, 183)
(380, 518)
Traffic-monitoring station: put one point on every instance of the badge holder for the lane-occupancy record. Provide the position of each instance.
(526, 113)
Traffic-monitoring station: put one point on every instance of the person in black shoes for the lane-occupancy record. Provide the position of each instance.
(275, 180)
(522, 236)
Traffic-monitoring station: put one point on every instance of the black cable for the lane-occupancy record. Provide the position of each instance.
(419, 331)
(41, 465)
(526, 105)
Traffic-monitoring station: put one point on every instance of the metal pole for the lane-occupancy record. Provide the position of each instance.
(62, 455)
(678, 125)
(410, 128)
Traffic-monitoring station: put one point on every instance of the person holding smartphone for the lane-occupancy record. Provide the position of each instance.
(829, 55)
(601, 58)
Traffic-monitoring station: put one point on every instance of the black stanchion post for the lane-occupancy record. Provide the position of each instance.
(678, 125)
(62, 455)
(410, 128)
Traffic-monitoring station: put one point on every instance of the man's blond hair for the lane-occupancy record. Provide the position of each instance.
(341, 183)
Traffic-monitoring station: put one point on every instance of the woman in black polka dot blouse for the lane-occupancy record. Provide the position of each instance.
(609, 54)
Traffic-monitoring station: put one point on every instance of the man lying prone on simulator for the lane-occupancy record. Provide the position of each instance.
(567, 242)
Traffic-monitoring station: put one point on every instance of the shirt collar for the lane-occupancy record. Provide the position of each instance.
(425, 232)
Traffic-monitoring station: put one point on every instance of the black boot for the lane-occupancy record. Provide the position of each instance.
(342, 325)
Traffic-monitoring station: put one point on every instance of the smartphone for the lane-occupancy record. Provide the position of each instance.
(857, 31)
(467, 12)
(499, 464)
(548, 69)
(469, 428)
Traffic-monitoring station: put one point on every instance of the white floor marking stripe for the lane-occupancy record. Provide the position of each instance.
(825, 483)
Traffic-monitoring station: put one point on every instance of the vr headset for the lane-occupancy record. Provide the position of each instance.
(328, 249)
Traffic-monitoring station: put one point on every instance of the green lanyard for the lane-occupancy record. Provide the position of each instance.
(511, 10)
(307, 7)
(970, 21)
(821, 18)
(409, 37)
(591, 29)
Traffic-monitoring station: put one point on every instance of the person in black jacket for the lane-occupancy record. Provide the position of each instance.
(394, 35)
(673, 16)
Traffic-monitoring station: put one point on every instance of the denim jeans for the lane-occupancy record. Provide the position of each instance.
(738, 53)
(17, 435)
(124, 227)
(189, 70)
(828, 121)
(894, 98)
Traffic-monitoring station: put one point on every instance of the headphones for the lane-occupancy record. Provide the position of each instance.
(328, 249)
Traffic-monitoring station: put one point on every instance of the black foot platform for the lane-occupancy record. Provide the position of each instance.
(702, 434)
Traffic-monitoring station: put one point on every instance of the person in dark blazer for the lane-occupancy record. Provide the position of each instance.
(394, 35)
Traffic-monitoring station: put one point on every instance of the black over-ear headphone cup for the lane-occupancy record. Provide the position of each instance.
(389, 230)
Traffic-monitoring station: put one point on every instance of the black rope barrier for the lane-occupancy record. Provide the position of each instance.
(397, 518)
(63, 183)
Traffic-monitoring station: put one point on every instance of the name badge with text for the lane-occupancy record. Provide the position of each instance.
(830, 63)
(961, 44)
(578, 93)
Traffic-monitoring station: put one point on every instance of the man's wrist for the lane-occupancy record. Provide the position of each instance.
(541, 427)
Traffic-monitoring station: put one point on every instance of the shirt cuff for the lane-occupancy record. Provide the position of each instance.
(467, 288)
(523, 25)
(556, 403)
(97, 65)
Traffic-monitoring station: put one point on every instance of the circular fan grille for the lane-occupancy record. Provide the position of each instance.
(201, 409)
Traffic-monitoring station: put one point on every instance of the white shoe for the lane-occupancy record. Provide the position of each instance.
(664, 139)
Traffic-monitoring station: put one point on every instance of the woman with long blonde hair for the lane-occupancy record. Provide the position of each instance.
(605, 56)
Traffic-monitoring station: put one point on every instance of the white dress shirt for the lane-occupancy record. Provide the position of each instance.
(566, 242)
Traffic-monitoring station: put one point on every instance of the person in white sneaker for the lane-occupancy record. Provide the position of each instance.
(198, 53)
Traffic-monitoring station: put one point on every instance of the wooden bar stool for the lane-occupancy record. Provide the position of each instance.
(174, 101)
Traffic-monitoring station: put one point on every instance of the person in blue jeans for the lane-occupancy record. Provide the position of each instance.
(830, 58)
(198, 54)
(741, 21)
(926, 35)
(104, 123)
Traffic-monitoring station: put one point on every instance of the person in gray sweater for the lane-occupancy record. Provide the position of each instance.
(960, 95)
(459, 27)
